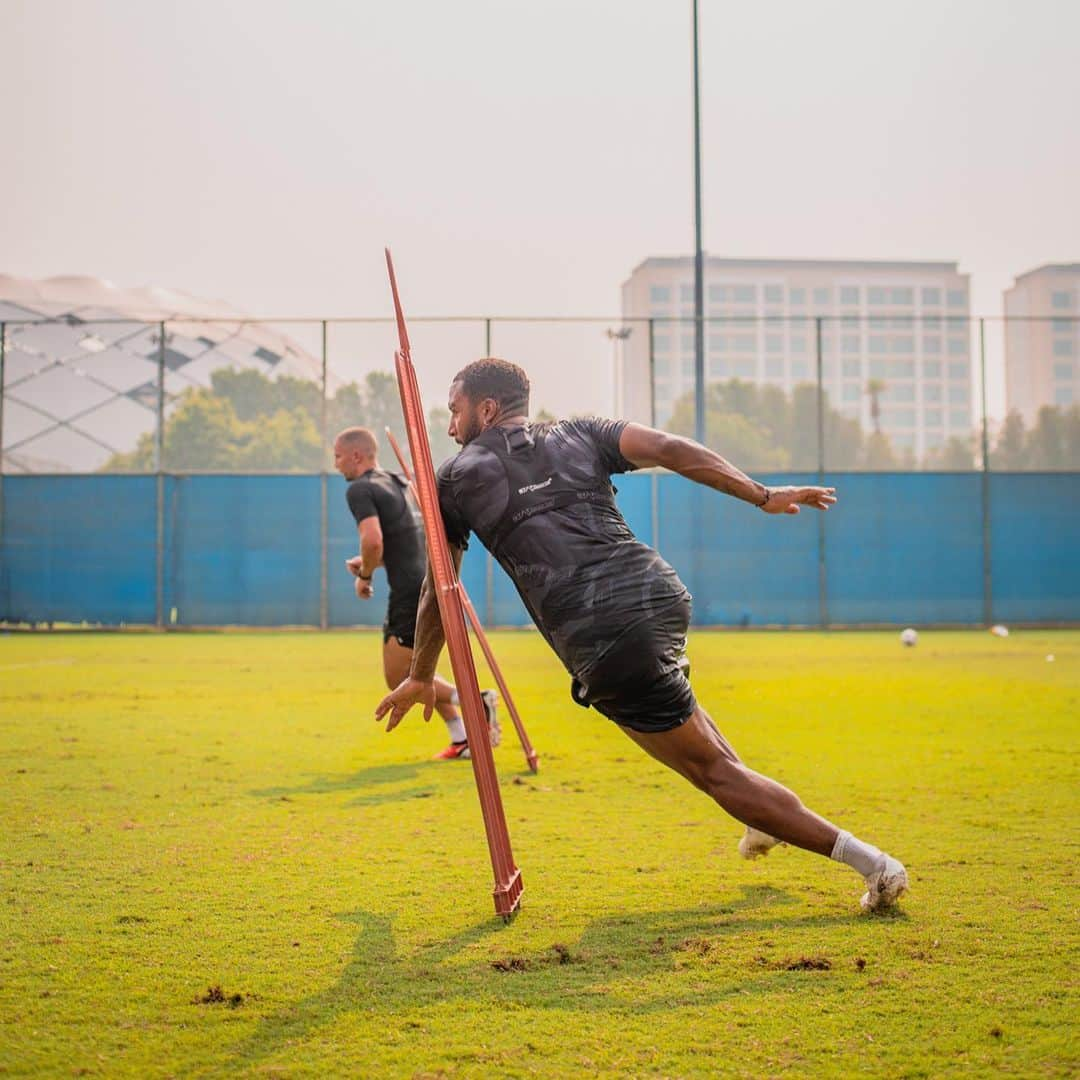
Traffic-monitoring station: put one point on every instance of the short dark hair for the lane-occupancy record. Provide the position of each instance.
(359, 438)
(499, 379)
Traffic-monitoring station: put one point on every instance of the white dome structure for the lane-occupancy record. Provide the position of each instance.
(81, 362)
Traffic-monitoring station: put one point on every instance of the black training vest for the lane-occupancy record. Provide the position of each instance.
(535, 484)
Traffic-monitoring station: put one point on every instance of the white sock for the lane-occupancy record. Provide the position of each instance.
(456, 729)
(863, 858)
(454, 699)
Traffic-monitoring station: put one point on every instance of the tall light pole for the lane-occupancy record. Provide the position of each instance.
(699, 259)
(618, 357)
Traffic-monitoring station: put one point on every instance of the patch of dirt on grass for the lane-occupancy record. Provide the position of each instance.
(511, 963)
(802, 963)
(216, 996)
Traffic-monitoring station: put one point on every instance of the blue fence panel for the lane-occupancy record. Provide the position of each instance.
(905, 548)
(79, 548)
(744, 568)
(1035, 546)
(242, 550)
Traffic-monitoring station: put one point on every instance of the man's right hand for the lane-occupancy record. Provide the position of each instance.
(409, 692)
(788, 500)
(363, 588)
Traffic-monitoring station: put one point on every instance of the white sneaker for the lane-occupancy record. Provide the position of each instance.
(491, 701)
(885, 885)
(756, 843)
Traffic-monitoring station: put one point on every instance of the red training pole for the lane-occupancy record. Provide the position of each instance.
(508, 885)
(478, 630)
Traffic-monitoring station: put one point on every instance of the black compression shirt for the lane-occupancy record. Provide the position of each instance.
(380, 493)
(540, 499)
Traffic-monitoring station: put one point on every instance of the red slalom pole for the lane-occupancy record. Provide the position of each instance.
(478, 630)
(508, 885)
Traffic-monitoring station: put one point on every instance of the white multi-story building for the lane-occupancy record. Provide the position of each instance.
(1042, 339)
(895, 331)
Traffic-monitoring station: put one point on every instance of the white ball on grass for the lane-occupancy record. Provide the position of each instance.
(909, 636)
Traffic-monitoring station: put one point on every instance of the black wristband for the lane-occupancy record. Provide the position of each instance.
(768, 496)
(368, 578)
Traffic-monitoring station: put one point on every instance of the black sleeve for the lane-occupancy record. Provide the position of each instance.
(361, 502)
(605, 435)
(457, 529)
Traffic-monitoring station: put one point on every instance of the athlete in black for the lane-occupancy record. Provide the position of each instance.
(392, 536)
(539, 497)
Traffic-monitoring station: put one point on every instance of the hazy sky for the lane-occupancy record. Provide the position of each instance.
(522, 157)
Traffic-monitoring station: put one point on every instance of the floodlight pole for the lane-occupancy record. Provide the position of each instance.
(699, 258)
(508, 884)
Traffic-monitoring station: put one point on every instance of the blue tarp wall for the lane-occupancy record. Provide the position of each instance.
(899, 548)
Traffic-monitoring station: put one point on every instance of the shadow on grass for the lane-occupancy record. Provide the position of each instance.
(375, 776)
(619, 963)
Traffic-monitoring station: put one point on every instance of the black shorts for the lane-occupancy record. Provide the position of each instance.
(400, 621)
(641, 682)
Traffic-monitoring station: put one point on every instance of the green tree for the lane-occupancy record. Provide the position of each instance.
(1010, 451)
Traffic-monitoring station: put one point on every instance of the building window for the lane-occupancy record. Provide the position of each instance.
(849, 294)
(933, 439)
(877, 369)
(661, 343)
(877, 344)
(876, 295)
(717, 343)
(903, 345)
(958, 394)
(878, 324)
(822, 297)
(717, 369)
(956, 326)
(851, 321)
(745, 294)
(774, 367)
(957, 346)
(931, 345)
(1063, 395)
(958, 371)
(959, 418)
(661, 365)
(904, 441)
(1061, 301)
(900, 392)
(849, 343)
(902, 369)
(799, 369)
(903, 296)
(774, 294)
(688, 367)
(797, 296)
(1065, 326)
(659, 294)
(850, 392)
(898, 417)
(744, 368)
(931, 322)
(931, 393)
(932, 418)
(957, 298)
(745, 343)
(686, 294)
(851, 367)
(1063, 371)
(932, 369)
(798, 344)
(774, 343)
(931, 297)
(1064, 347)
(688, 343)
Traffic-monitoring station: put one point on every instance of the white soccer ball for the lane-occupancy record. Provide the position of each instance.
(999, 630)
(909, 636)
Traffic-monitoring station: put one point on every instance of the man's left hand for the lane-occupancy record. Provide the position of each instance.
(409, 692)
(789, 500)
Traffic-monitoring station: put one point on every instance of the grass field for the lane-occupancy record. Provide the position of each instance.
(215, 863)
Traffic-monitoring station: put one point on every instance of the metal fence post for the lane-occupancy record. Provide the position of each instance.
(3, 358)
(487, 337)
(159, 465)
(652, 374)
(988, 576)
(823, 573)
(324, 516)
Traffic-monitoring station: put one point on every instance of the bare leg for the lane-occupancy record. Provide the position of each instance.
(697, 751)
(396, 661)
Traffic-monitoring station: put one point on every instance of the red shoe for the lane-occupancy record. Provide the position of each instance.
(454, 750)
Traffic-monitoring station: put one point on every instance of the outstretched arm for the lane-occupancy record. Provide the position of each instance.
(645, 447)
(419, 686)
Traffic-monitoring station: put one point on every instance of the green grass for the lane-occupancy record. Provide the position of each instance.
(193, 811)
